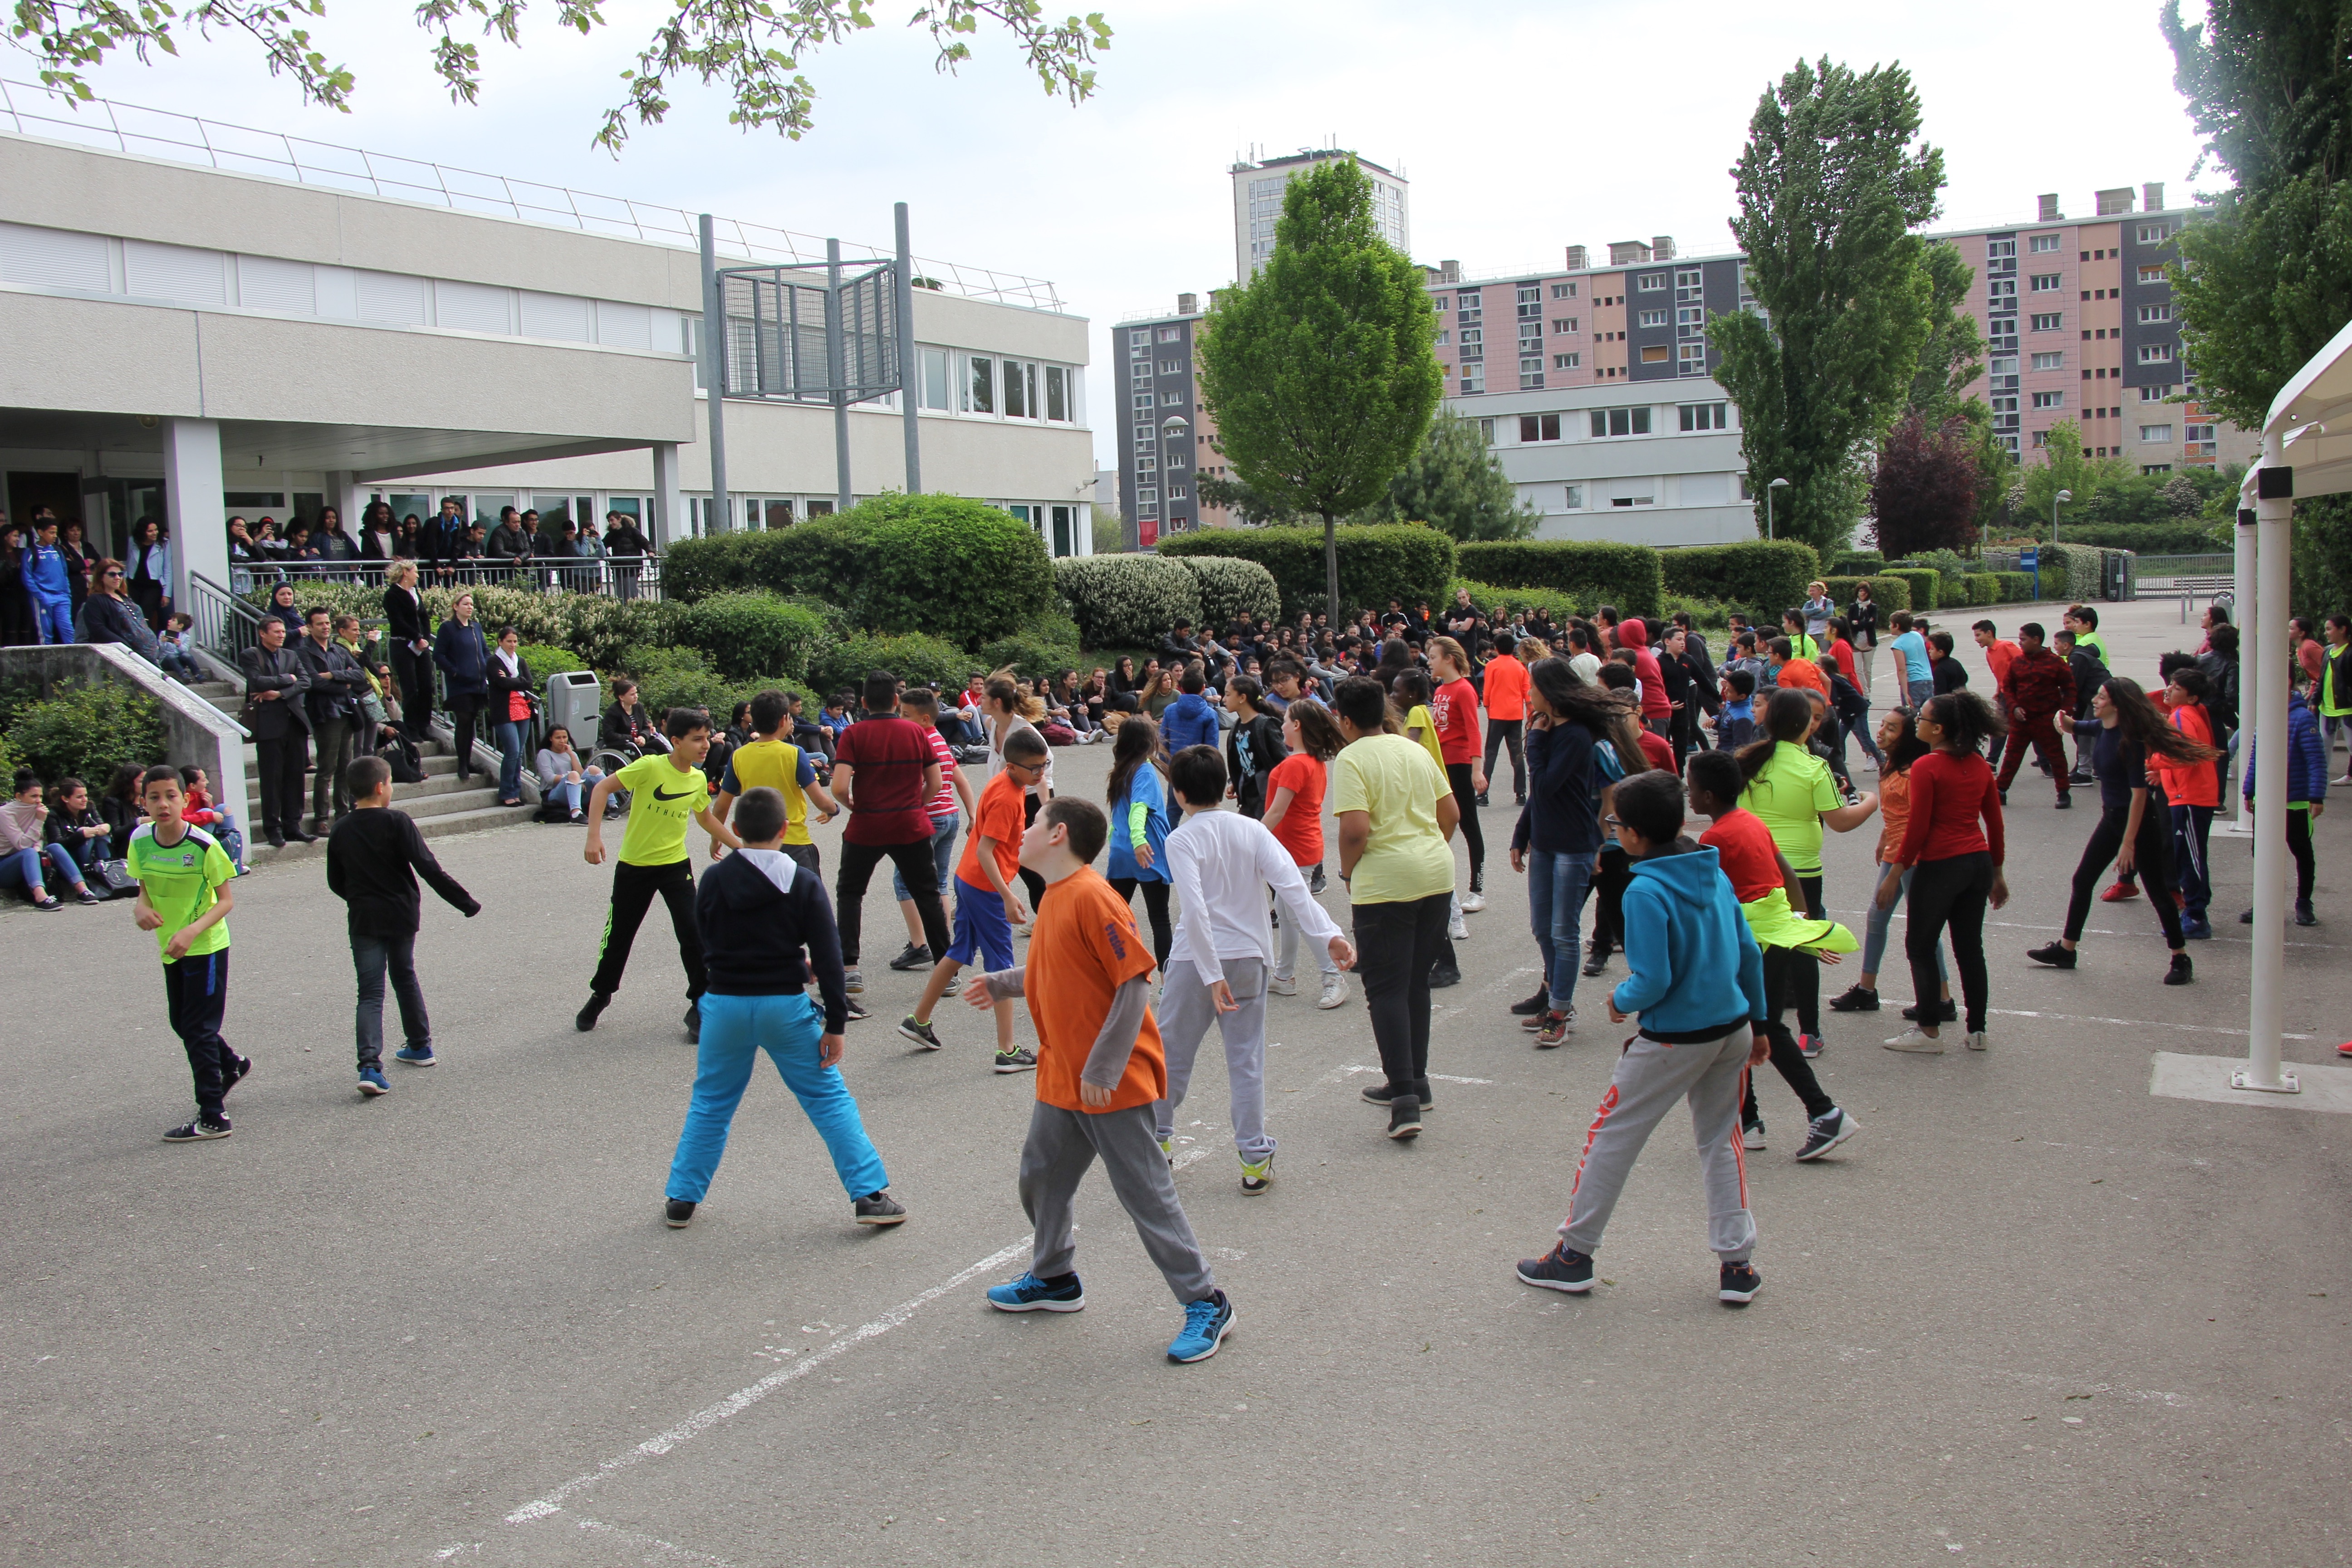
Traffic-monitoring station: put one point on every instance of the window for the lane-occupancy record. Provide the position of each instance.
(1474, 343)
(2051, 361)
(1172, 334)
(1178, 492)
(935, 379)
(2002, 288)
(1651, 318)
(1530, 299)
(2152, 275)
(2049, 400)
(2154, 233)
(1531, 373)
(1058, 401)
(1020, 389)
(1706, 415)
(1474, 378)
(1690, 316)
(1143, 400)
(1538, 428)
(1563, 290)
(1141, 337)
(1565, 323)
(2041, 440)
(1654, 354)
(1620, 422)
(1688, 278)
(1631, 500)
(2156, 354)
(1531, 337)
(1147, 495)
(1574, 494)
(1487, 431)
(2042, 243)
(1147, 433)
(1145, 465)
(1691, 358)
(2051, 323)
(1171, 367)
(2197, 432)
(2000, 249)
(2151, 313)
(2156, 434)
(2154, 394)
(1650, 282)
(2044, 282)
(1441, 303)
(980, 386)
(1444, 337)
(1566, 362)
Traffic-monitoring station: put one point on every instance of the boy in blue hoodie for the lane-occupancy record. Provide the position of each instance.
(1190, 720)
(2307, 794)
(1698, 981)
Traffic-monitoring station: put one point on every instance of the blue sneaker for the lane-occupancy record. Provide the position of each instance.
(1031, 1294)
(1207, 1321)
(416, 1055)
(372, 1082)
(2195, 930)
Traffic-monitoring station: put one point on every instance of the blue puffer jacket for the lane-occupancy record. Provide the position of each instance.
(2306, 757)
(1696, 971)
(1189, 722)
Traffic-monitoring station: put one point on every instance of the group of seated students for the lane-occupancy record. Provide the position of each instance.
(56, 840)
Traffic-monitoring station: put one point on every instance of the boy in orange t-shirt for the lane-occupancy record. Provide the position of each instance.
(1503, 691)
(986, 905)
(1099, 1073)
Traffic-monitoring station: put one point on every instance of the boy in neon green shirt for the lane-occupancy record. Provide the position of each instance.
(184, 898)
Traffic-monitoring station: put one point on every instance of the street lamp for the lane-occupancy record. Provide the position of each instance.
(2060, 496)
(1775, 485)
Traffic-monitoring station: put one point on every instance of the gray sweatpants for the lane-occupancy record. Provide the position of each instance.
(1186, 1010)
(1062, 1144)
(1650, 1078)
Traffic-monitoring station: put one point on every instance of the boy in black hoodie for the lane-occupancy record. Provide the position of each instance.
(758, 910)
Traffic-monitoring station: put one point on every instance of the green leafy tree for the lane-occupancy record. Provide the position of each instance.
(1953, 355)
(1454, 485)
(1322, 370)
(2069, 466)
(1832, 183)
(1243, 501)
(754, 49)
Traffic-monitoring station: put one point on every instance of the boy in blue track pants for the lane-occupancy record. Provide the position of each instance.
(759, 908)
(1696, 980)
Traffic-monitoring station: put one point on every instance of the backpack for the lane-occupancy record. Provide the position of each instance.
(400, 754)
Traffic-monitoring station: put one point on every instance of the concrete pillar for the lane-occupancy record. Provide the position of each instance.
(669, 501)
(348, 497)
(192, 497)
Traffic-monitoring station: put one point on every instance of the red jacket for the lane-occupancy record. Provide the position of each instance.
(2039, 681)
(2189, 784)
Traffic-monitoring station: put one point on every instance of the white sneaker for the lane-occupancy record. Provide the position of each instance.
(1282, 986)
(1335, 992)
(1455, 928)
(1472, 902)
(1914, 1040)
(1977, 1041)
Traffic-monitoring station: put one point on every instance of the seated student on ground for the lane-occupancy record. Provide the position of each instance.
(74, 823)
(24, 853)
(565, 777)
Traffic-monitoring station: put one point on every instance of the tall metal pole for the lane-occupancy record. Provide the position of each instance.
(2265, 1008)
(1768, 511)
(910, 373)
(714, 380)
(2248, 613)
(836, 374)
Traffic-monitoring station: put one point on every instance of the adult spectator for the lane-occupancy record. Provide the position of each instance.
(274, 685)
(283, 606)
(149, 571)
(379, 538)
(464, 657)
(336, 681)
(1862, 629)
(444, 539)
(410, 633)
(332, 542)
(80, 560)
(626, 726)
(511, 694)
(510, 541)
(627, 548)
(109, 616)
(366, 648)
(245, 558)
(886, 776)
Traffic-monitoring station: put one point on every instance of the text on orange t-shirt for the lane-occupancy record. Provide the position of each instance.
(1083, 948)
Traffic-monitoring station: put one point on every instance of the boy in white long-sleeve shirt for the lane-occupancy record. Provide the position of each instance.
(1222, 864)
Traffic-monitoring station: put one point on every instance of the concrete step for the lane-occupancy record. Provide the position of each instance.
(437, 765)
(259, 854)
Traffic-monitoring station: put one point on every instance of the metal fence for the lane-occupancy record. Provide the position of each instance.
(618, 577)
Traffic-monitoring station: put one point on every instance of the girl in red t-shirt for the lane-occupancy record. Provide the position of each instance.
(1294, 814)
(1455, 708)
(1957, 864)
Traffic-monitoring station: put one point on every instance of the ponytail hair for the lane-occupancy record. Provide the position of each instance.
(1967, 720)
(1786, 718)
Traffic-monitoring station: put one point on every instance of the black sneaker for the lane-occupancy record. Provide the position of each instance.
(679, 1214)
(196, 1131)
(694, 1023)
(1404, 1117)
(1949, 1012)
(2304, 913)
(915, 955)
(2056, 954)
(1533, 1008)
(87, 897)
(1444, 975)
(853, 1010)
(240, 1068)
(913, 1028)
(1826, 1131)
(881, 1208)
(1857, 999)
(1482, 800)
(1559, 1270)
(2183, 971)
(1378, 1094)
(1316, 885)
(2065, 800)
(585, 1019)
(1737, 1284)
(2004, 799)
(1016, 1062)
(1596, 959)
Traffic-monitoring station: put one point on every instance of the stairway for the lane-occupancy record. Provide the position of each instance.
(440, 805)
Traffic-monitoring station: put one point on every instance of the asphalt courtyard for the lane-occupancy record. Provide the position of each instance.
(2030, 1315)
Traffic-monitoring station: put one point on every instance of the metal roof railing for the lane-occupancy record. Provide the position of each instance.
(27, 109)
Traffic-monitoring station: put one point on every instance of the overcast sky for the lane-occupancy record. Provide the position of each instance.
(1522, 127)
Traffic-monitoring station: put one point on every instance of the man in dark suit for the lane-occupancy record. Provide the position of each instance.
(336, 679)
(275, 711)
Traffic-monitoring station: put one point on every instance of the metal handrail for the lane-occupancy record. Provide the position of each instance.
(220, 621)
(155, 132)
(623, 576)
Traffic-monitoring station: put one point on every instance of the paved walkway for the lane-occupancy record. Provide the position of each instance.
(2032, 1316)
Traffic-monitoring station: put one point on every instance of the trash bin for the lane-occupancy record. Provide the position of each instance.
(575, 700)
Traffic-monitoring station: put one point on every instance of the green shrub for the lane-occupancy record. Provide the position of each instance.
(1979, 588)
(914, 657)
(2069, 572)
(1627, 575)
(2016, 587)
(599, 629)
(1764, 576)
(84, 729)
(1230, 585)
(1048, 646)
(1706, 615)
(1856, 563)
(1405, 561)
(1926, 583)
(545, 661)
(750, 635)
(822, 555)
(1561, 607)
(671, 678)
(2188, 537)
(1128, 599)
(1890, 594)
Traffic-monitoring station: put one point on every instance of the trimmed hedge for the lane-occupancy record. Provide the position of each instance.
(2079, 579)
(916, 658)
(1980, 588)
(1627, 575)
(1926, 581)
(1890, 594)
(1230, 585)
(1857, 564)
(751, 635)
(819, 556)
(2016, 587)
(1377, 562)
(1127, 600)
(1763, 575)
(1487, 596)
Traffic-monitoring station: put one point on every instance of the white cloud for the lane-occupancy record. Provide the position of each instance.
(1522, 126)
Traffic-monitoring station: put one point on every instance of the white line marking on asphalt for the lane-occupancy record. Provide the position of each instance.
(2128, 1023)
(665, 1547)
(744, 1398)
(2087, 931)
(1439, 1077)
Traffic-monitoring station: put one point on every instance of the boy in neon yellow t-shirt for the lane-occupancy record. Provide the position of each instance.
(184, 898)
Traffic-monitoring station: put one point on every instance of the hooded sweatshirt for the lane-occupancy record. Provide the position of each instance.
(1696, 972)
(1655, 703)
(757, 909)
(1189, 722)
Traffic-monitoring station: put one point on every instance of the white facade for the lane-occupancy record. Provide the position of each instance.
(1257, 203)
(1647, 462)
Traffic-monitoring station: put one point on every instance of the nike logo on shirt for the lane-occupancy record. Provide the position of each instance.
(680, 795)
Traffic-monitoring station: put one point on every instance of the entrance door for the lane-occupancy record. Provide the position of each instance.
(62, 493)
